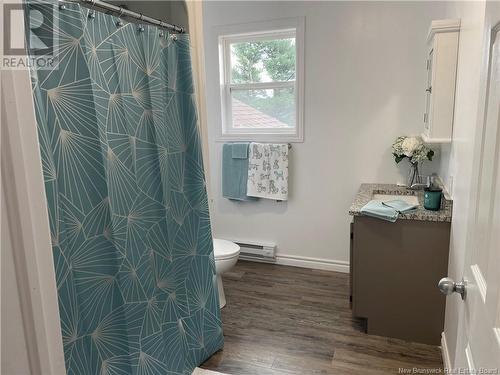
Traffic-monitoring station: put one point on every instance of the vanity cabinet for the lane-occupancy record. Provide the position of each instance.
(441, 78)
(395, 268)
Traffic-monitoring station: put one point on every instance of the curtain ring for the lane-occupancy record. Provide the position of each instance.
(119, 23)
(162, 33)
(141, 27)
(92, 10)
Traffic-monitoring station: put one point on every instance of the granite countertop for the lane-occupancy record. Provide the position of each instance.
(366, 192)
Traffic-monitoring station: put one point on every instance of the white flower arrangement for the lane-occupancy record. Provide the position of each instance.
(412, 148)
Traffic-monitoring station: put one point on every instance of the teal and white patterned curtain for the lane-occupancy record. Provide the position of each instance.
(126, 196)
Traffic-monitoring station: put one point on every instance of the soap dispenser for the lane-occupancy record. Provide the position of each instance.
(432, 195)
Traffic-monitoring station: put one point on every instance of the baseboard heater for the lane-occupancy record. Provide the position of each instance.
(257, 252)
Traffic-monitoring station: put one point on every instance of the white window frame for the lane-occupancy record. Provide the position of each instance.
(278, 29)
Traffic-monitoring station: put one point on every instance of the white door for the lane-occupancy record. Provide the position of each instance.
(481, 323)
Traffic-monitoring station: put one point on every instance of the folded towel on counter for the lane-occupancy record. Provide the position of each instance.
(268, 171)
(235, 171)
(400, 205)
(378, 210)
(387, 210)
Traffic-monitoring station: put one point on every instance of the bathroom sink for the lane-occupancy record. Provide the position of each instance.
(411, 199)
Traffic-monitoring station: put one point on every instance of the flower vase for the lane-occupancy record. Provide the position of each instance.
(413, 175)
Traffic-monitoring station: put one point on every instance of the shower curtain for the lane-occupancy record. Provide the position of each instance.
(126, 196)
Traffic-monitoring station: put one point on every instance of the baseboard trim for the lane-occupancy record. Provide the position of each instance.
(445, 353)
(314, 263)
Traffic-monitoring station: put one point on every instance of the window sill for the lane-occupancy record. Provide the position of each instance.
(264, 138)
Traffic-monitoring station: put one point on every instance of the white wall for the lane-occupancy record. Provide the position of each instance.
(457, 165)
(364, 83)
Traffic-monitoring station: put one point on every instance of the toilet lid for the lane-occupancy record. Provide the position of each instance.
(224, 249)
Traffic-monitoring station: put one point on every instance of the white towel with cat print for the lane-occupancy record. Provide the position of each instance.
(268, 171)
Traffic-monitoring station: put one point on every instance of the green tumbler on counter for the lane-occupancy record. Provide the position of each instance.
(432, 198)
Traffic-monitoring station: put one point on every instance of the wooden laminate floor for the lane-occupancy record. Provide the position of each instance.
(287, 320)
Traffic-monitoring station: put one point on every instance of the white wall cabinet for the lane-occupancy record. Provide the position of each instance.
(441, 77)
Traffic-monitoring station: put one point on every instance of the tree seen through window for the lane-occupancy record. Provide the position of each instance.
(266, 61)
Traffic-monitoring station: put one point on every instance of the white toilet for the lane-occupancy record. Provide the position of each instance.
(226, 255)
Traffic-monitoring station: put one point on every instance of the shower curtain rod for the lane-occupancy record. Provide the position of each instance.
(128, 13)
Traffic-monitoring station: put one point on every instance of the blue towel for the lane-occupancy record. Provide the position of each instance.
(388, 210)
(378, 210)
(235, 171)
(400, 205)
(240, 150)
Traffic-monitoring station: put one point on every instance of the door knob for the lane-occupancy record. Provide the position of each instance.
(447, 286)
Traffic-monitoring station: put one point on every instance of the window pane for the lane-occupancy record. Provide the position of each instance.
(263, 61)
(265, 109)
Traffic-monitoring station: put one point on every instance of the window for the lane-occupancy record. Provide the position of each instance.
(261, 88)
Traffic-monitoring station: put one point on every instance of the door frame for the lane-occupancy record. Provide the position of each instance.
(24, 190)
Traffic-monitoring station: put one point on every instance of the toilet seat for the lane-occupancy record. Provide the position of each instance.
(224, 249)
